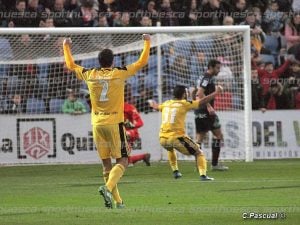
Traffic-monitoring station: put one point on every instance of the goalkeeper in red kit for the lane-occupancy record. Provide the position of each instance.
(132, 122)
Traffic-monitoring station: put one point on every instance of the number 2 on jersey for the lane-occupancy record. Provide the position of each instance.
(169, 115)
(103, 95)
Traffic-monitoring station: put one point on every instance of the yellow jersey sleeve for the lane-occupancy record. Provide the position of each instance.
(140, 63)
(192, 104)
(71, 65)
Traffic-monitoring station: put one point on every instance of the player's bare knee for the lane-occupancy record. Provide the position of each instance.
(218, 135)
(198, 152)
(107, 166)
(123, 161)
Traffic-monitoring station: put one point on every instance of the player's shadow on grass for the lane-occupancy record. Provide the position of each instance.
(98, 184)
(19, 213)
(262, 188)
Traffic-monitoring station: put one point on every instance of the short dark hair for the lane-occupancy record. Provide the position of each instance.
(106, 58)
(213, 63)
(178, 91)
(18, 1)
(268, 63)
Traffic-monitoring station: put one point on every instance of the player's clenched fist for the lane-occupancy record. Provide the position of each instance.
(67, 41)
(219, 89)
(146, 37)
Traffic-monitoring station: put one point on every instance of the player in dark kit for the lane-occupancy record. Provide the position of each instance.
(205, 116)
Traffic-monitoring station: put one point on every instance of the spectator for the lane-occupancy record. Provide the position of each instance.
(296, 5)
(191, 17)
(7, 4)
(273, 19)
(257, 34)
(73, 106)
(18, 20)
(292, 30)
(257, 92)
(268, 75)
(44, 39)
(285, 5)
(109, 6)
(239, 8)
(295, 72)
(59, 80)
(129, 6)
(24, 46)
(258, 14)
(262, 4)
(47, 4)
(116, 19)
(145, 21)
(276, 98)
(199, 62)
(101, 22)
(152, 12)
(123, 21)
(34, 9)
(145, 94)
(109, 9)
(62, 19)
(292, 83)
(3, 21)
(216, 11)
(15, 105)
(180, 70)
(84, 15)
(100, 41)
(224, 101)
(297, 98)
(168, 18)
(32, 84)
(291, 89)
(228, 21)
(71, 5)
(4, 92)
(5, 49)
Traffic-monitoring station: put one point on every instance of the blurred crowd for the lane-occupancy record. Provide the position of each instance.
(275, 40)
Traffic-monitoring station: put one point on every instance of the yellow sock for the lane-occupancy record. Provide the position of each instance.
(114, 176)
(115, 190)
(173, 160)
(201, 164)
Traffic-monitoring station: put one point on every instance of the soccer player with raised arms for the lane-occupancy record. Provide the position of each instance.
(106, 88)
(172, 134)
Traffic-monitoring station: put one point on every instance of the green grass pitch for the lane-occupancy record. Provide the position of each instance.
(67, 194)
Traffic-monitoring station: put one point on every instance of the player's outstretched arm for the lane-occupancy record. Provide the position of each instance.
(153, 104)
(68, 55)
(208, 98)
(143, 59)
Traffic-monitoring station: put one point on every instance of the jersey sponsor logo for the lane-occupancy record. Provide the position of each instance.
(105, 113)
(205, 83)
(199, 81)
(201, 116)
